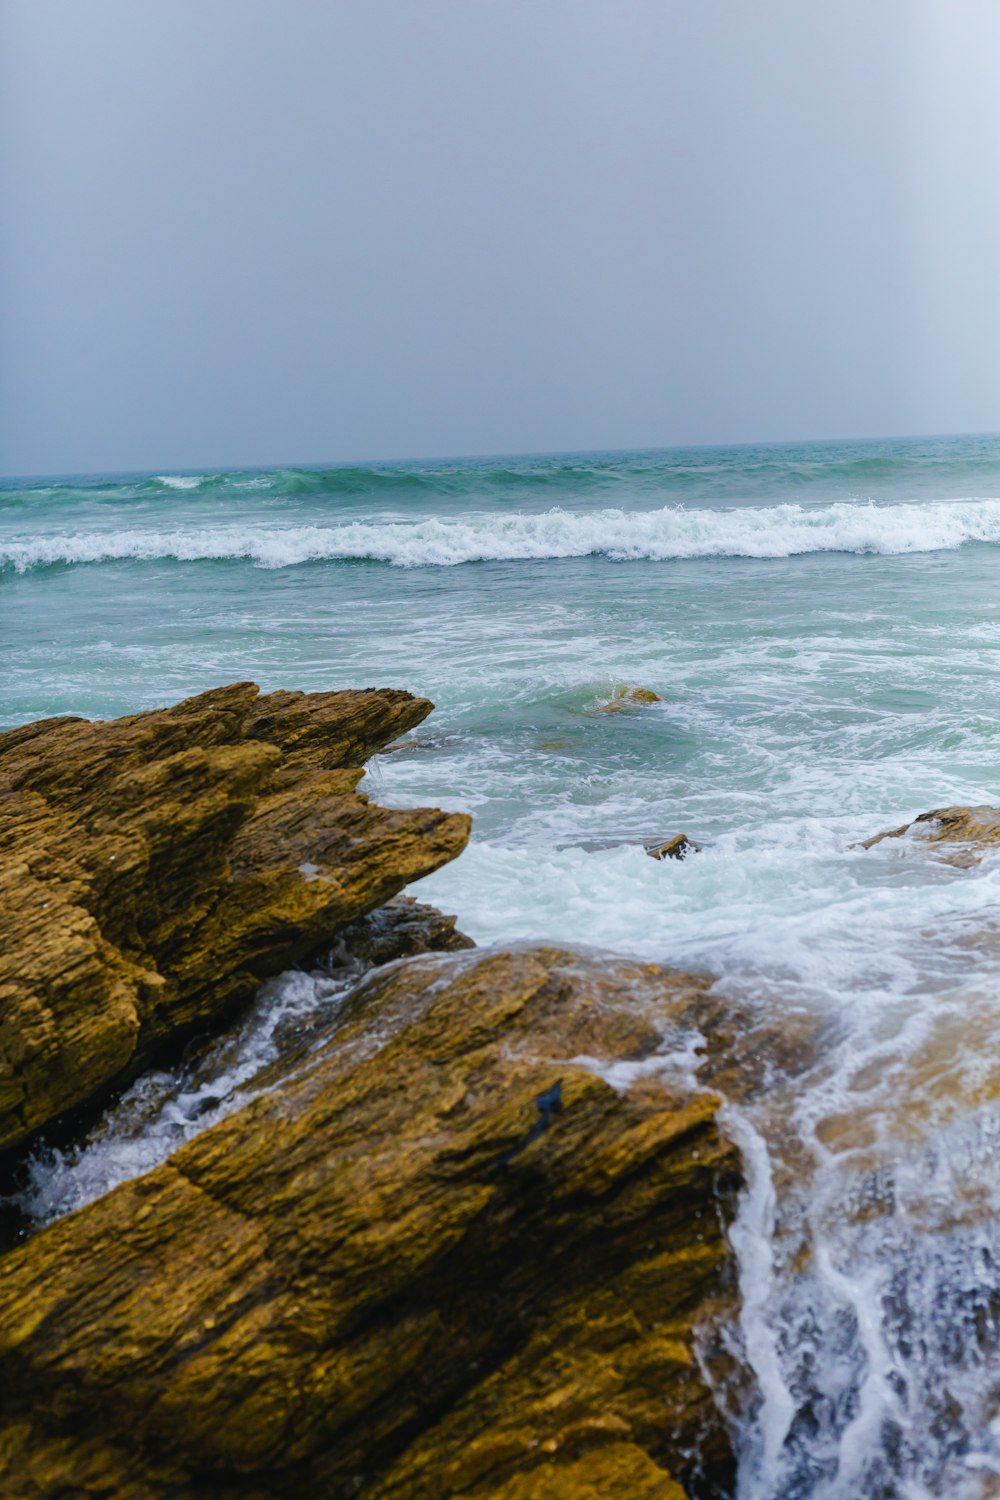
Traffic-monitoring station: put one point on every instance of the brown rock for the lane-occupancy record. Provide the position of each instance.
(679, 847)
(447, 1257)
(155, 869)
(974, 829)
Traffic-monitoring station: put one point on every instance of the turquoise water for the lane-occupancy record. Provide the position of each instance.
(822, 624)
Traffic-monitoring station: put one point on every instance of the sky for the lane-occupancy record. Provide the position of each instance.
(242, 232)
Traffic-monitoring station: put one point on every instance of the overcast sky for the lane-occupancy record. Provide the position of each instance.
(268, 231)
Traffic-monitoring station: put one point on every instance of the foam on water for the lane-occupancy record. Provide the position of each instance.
(164, 1109)
(751, 1238)
(181, 481)
(669, 534)
(869, 1233)
(795, 904)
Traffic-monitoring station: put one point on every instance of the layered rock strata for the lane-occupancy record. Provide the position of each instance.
(155, 869)
(460, 1252)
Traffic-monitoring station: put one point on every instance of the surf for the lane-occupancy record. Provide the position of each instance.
(669, 534)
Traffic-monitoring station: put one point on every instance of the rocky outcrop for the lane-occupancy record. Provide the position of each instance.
(958, 835)
(460, 1252)
(155, 869)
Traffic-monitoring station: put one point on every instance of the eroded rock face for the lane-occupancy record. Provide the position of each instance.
(960, 835)
(460, 1252)
(155, 869)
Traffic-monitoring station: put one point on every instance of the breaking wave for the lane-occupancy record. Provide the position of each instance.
(622, 536)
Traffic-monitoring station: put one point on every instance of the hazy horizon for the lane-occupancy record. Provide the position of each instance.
(233, 231)
(418, 459)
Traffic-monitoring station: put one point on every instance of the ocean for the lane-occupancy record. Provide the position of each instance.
(821, 624)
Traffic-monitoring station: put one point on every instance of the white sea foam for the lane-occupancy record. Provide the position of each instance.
(869, 1233)
(796, 908)
(180, 481)
(752, 1236)
(659, 535)
(162, 1110)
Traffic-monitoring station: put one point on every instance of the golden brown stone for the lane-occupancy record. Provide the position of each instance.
(155, 869)
(679, 847)
(973, 829)
(452, 1255)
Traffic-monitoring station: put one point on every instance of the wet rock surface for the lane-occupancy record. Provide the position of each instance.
(155, 869)
(679, 847)
(959, 835)
(460, 1250)
(402, 928)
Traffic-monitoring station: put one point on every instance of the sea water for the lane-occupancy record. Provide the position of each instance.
(822, 625)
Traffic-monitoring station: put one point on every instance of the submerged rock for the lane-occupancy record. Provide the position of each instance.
(975, 829)
(628, 697)
(461, 1251)
(155, 869)
(423, 744)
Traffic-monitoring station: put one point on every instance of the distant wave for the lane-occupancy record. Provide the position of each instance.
(660, 535)
(890, 471)
(389, 481)
(180, 481)
(720, 472)
(393, 485)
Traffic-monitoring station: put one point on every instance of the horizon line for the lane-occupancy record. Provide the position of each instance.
(168, 470)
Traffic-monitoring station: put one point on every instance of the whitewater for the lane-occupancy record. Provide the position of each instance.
(820, 622)
(659, 536)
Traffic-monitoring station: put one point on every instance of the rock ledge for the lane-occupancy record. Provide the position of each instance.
(460, 1252)
(155, 869)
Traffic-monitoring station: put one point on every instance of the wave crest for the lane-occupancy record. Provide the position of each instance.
(669, 534)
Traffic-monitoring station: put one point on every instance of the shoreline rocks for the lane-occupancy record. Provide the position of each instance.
(460, 1251)
(468, 1237)
(154, 870)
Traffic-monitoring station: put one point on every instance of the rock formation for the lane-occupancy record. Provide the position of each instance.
(459, 1252)
(462, 1240)
(155, 869)
(959, 835)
